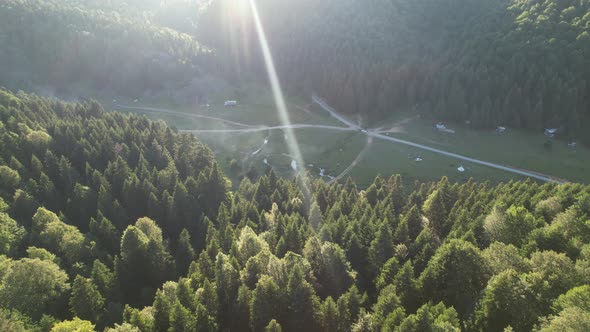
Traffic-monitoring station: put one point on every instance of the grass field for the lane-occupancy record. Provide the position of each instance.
(516, 148)
(334, 151)
(255, 107)
(333, 154)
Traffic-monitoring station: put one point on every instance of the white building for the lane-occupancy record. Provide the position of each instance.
(550, 132)
(230, 103)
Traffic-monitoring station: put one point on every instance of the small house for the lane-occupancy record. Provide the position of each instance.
(550, 132)
(230, 103)
(572, 144)
(443, 128)
(500, 129)
(461, 169)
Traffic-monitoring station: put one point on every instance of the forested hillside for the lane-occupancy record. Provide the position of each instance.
(114, 221)
(513, 63)
(521, 64)
(72, 48)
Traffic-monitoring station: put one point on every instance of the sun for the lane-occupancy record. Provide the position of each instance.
(239, 9)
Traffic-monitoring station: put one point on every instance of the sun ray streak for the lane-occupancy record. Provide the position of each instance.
(277, 92)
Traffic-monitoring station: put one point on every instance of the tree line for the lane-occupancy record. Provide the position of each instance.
(112, 222)
(78, 48)
(493, 63)
(522, 64)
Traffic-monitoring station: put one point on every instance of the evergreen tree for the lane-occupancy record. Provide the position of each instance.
(185, 253)
(86, 302)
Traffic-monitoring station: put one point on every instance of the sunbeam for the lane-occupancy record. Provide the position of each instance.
(277, 92)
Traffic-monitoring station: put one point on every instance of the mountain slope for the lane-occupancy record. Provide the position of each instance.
(519, 64)
(115, 221)
(69, 49)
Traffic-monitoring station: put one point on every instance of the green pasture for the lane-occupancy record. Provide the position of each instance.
(515, 148)
(334, 151)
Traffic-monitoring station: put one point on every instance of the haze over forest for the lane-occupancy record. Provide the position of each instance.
(135, 194)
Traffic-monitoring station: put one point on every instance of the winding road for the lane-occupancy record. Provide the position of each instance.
(354, 162)
(167, 111)
(378, 135)
(264, 128)
(246, 127)
(350, 126)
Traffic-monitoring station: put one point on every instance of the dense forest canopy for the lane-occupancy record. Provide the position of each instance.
(494, 63)
(67, 49)
(114, 222)
(513, 63)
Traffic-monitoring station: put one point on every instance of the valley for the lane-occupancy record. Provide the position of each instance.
(341, 148)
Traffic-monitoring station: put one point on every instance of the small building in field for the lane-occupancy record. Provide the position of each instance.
(230, 103)
(550, 132)
(443, 128)
(461, 169)
(572, 144)
(500, 129)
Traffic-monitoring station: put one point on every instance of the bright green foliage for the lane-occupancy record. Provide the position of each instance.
(75, 325)
(9, 178)
(432, 318)
(510, 227)
(575, 297)
(144, 319)
(13, 321)
(86, 302)
(42, 254)
(181, 319)
(143, 257)
(34, 287)
(387, 303)
(508, 300)
(273, 326)
(455, 275)
(387, 273)
(548, 208)
(11, 234)
(552, 274)
(501, 257)
(57, 236)
(570, 319)
(270, 253)
(123, 328)
(263, 306)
